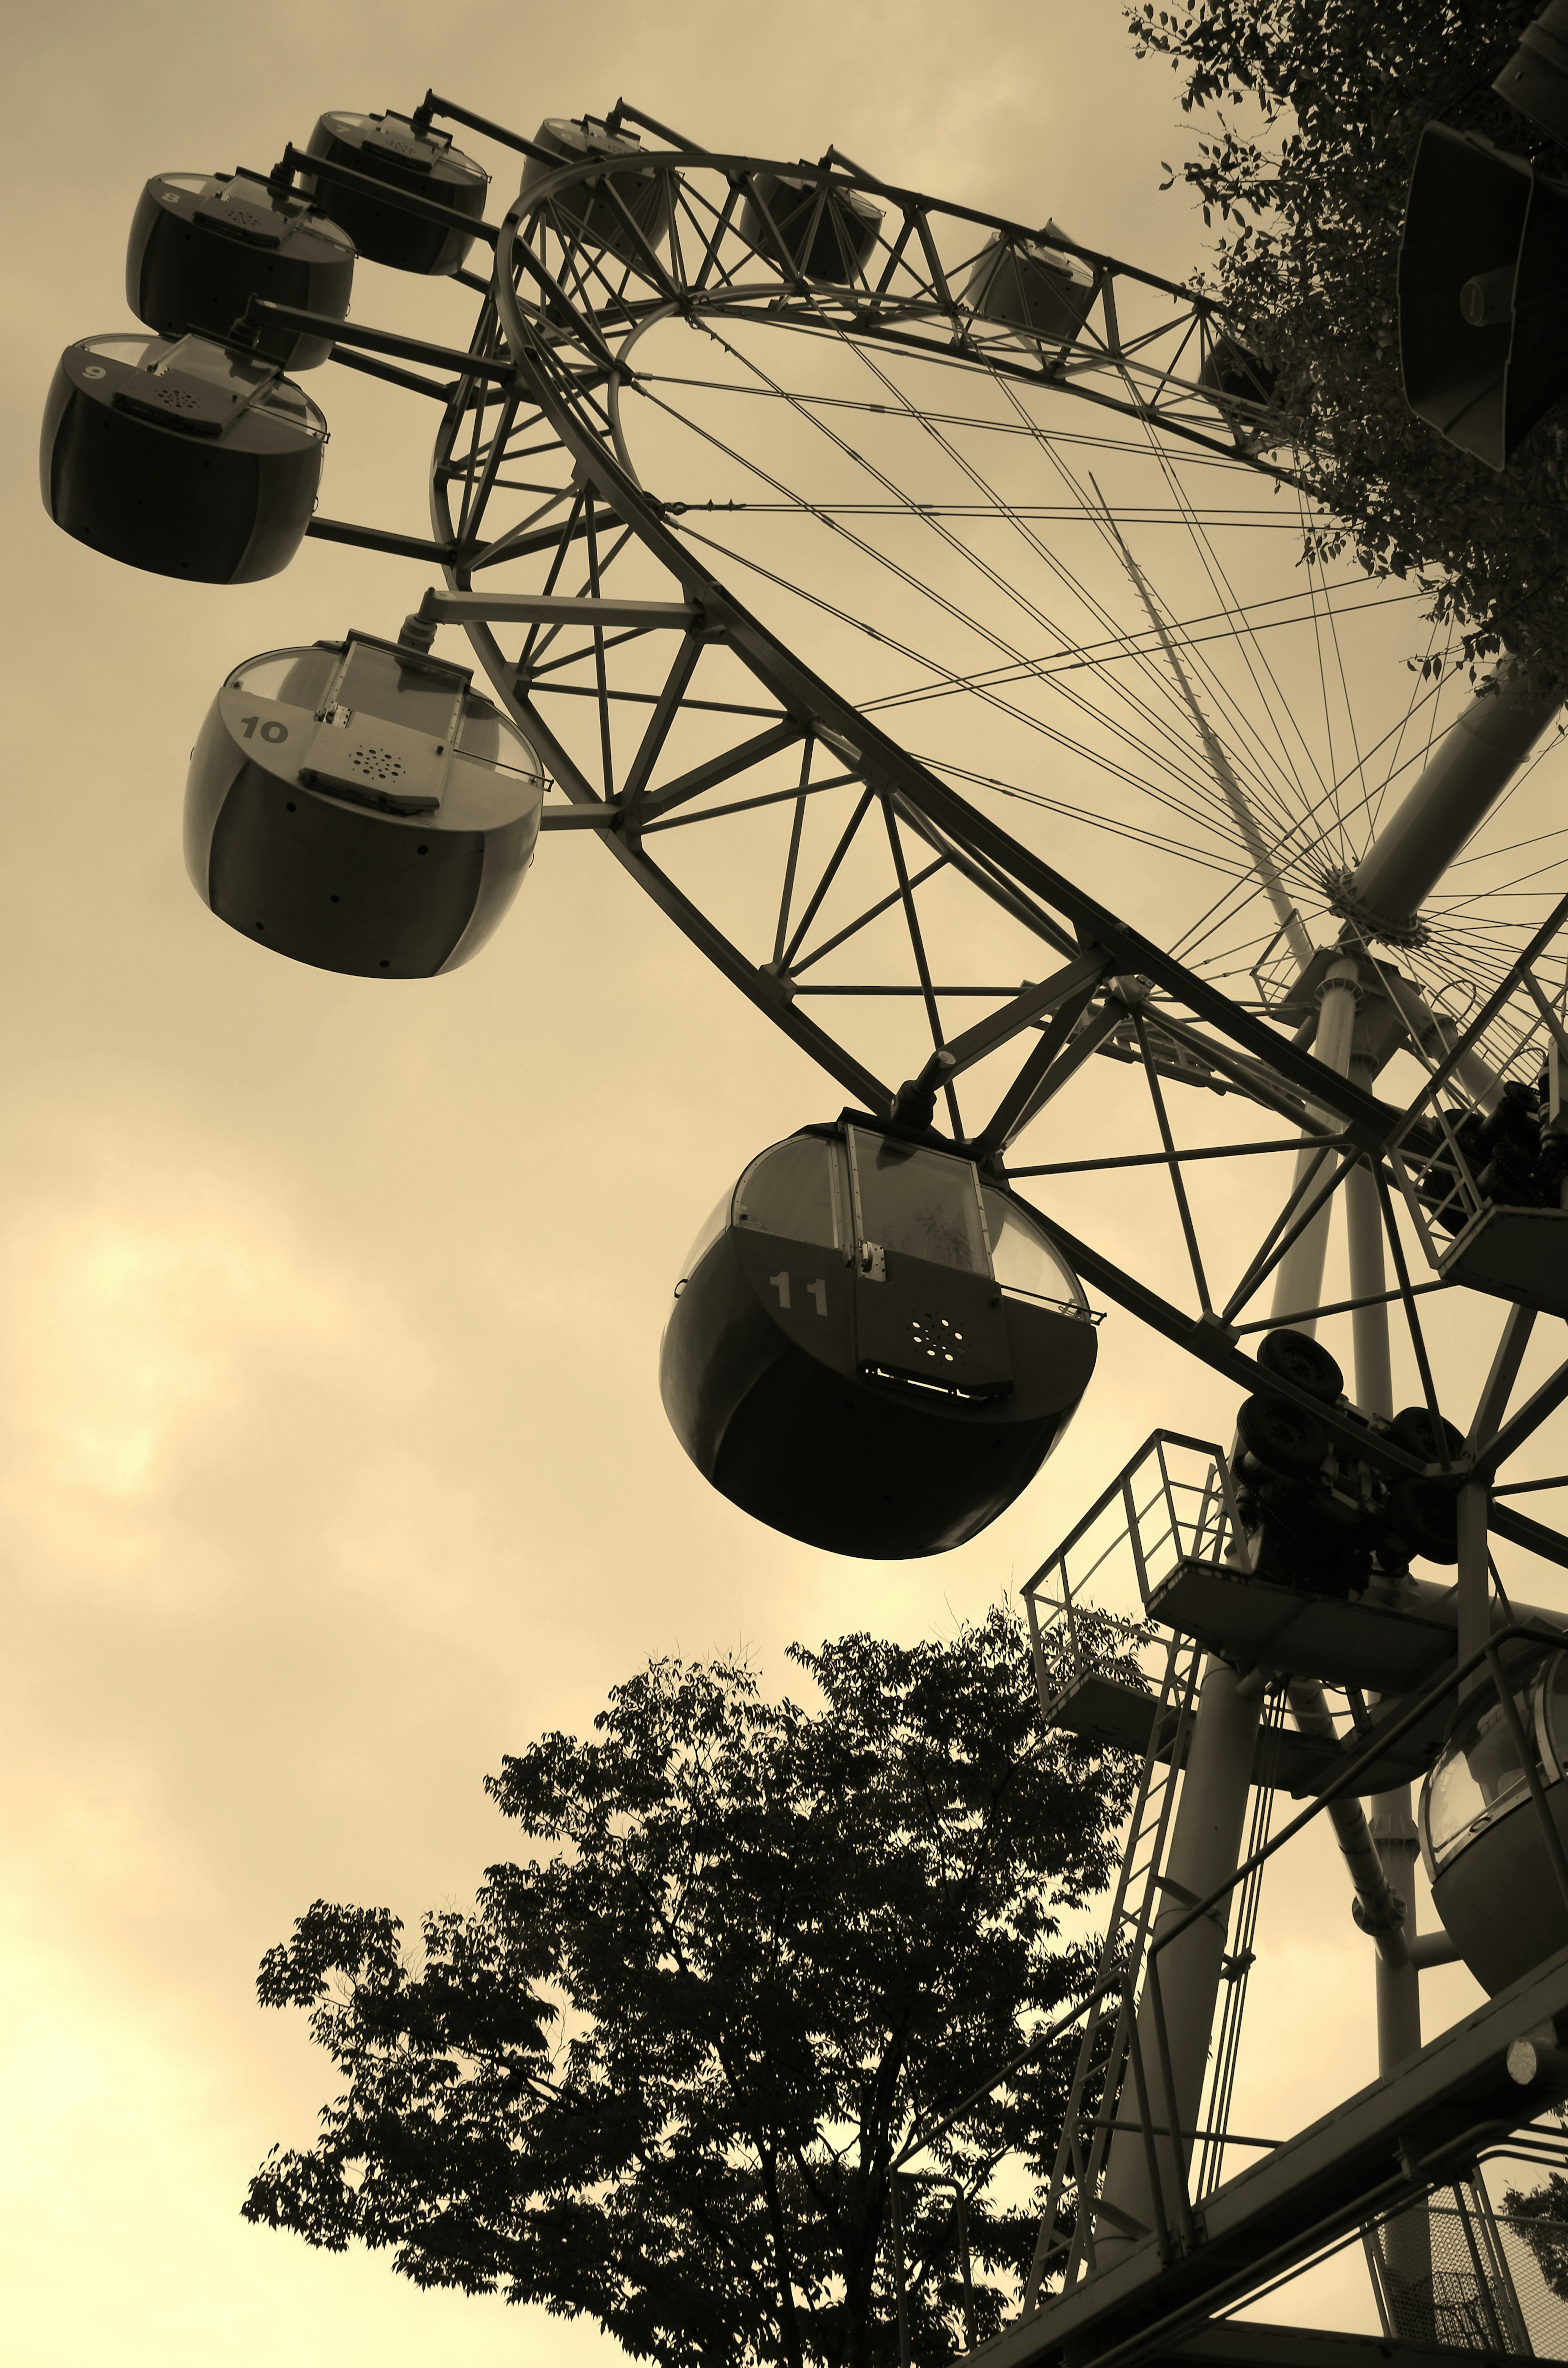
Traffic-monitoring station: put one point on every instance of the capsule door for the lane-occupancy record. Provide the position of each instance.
(806, 1289)
(926, 1309)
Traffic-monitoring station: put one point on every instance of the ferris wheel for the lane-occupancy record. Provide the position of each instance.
(924, 610)
(730, 434)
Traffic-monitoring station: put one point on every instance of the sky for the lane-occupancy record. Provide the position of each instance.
(332, 1462)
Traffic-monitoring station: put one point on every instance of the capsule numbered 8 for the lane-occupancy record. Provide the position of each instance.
(186, 459)
(1032, 285)
(387, 148)
(203, 244)
(585, 206)
(359, 806)
(871, 1349)
(816, 226)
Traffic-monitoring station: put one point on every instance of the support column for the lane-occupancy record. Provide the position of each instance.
(1392, 1824)
(1461, 780)
(1474, 1600)
(1298, 1277)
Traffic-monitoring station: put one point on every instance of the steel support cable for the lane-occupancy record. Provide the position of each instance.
(1263, 759)
(1309, 820)
(1254, 661)
(1046, 444)
(1322, 684)
(1424, 675)
(1031, 541)
(936, 665)
(1518, 886)
(935, 805)
(1209, 560)
(918, 413)
(769, 386)
(1014, 658)
(1225, 774)
(1015, 714)
(1196, 458)
(1137, 834)
(1300, 857)
(1089, 655)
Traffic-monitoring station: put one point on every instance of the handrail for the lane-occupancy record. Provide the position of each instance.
(1488, 1656)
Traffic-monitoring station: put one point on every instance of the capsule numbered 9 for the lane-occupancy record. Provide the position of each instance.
(203, 244)
(360, 807)
(183, 458)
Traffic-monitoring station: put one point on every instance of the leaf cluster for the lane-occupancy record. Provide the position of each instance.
(1540, 2216)
(1312, 111)
(662, 2071)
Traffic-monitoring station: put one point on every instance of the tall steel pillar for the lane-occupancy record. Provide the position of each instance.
(1467, 773)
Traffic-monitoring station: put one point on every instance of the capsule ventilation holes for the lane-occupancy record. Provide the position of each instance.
(375, 765)
(936, 1338)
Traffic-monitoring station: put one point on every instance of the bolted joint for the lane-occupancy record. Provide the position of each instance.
(915, 1104)
(1382, 1921)
(1337, 982)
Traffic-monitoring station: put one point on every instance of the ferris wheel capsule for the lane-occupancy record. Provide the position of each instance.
(872, 1348)
(359, 806)
(814, 226)
(1486, 1851)
(203, 244)
(1032, 285)
(188, 458)
(424, 164)
(1229, 370)
(584, 205)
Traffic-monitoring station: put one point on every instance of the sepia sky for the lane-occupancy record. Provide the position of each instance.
(332, 1462)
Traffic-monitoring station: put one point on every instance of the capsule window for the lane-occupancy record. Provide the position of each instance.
(715, 1223)
(1551, 1717)
(1479, 1772)
(789, 1190)
(295, 677)
(925, 1204)
(1023, 1260)
(382, 682)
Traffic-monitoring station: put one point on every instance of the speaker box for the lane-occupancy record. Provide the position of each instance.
(1535, 79)
(1483, 293)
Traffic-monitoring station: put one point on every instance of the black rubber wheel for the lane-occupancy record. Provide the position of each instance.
(1281, 1436)
(1296, 1357)
(1426, 1515)
(1415, 1430)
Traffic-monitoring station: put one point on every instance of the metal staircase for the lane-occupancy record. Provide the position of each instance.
(1103, 2050)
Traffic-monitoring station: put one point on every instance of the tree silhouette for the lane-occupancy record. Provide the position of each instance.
(1312, 111)
(662, 2072)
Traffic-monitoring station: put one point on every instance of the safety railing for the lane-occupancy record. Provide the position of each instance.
(1434, 1153)
(1169, 2180)
(1175, 1501)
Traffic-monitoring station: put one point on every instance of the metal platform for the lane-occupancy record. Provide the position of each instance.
(1240, 2343)
(1384, 2147)
(1299, 1632)
(1107, 1710)
(1514, 1254)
